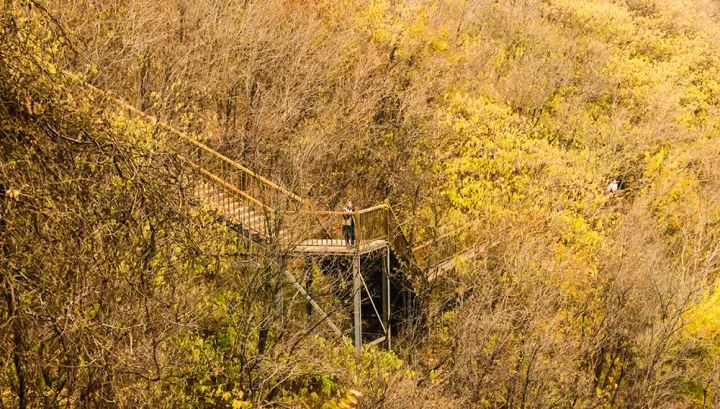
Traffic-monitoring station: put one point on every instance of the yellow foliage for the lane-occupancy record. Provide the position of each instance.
(703, 319)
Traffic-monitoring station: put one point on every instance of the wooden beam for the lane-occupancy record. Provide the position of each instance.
(376, 207)
(377, 341)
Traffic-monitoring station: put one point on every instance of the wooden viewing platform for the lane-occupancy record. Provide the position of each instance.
(265, 212)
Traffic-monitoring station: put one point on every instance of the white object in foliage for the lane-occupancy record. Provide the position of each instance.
(612, 187)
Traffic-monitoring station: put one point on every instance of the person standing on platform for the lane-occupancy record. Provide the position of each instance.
(349, 223)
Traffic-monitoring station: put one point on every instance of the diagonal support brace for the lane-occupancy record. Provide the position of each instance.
(312, 302)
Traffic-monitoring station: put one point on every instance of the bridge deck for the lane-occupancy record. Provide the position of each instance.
(338, 246)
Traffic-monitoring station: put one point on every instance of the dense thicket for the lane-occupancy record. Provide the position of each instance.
(117, 289)
(512, 115)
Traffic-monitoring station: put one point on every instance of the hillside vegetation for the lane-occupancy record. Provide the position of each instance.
(510, 116)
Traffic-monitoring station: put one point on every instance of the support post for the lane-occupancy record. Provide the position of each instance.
(357, 302)
(386, 295)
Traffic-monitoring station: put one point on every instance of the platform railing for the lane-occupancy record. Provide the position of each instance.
(373, 223)
(246, 181)
(311, 228)
(337, 228)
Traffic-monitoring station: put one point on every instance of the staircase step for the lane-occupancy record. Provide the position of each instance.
(237, 211)
(257, 218)
(245, 215)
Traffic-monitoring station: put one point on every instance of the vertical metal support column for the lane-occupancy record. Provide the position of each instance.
(386, 296)
(357, 285)
(357, 302)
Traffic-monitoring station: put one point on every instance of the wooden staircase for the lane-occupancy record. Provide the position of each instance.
(250, 220)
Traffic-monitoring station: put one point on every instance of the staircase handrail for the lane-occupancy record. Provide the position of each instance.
(192, 141)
